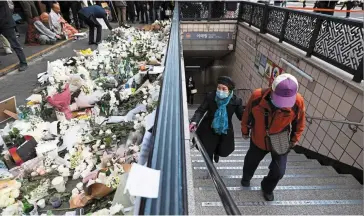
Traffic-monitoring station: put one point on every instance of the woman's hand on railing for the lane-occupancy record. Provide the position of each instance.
(193, 127)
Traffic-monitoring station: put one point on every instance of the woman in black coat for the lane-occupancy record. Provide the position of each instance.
(216, 130)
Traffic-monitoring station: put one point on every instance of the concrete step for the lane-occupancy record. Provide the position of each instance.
(290, 173)
(265, 208)
(233, 165)
(241, 156)
(263, 165)
(288, 179)
(284, 194)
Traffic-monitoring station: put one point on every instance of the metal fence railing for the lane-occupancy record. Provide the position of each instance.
(336, 40)
(168, 154)
(209, 10)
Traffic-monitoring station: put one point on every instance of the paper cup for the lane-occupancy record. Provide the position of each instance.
(59, 184)
(41, 203)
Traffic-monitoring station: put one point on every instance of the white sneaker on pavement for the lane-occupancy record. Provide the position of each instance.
(8, 50)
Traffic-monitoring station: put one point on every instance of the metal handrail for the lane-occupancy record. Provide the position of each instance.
(227, 201)
(350, 123)
(168, 154)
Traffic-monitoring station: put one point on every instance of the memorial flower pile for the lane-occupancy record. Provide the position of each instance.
(79, 134)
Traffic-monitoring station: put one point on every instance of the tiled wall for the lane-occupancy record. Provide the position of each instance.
(207, 27)
(328, 96)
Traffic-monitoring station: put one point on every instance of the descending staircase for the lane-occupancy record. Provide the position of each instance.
(308, 188)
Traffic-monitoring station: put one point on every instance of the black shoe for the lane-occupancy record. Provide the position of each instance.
(267, 196)
(142, 22)
(216, 158)
(93, 43)
(23, 67)
(245, 183)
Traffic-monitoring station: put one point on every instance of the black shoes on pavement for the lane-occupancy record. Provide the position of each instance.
(91, 43)
(216, 158)
(23, 67)
(245, 183)
(267, 196)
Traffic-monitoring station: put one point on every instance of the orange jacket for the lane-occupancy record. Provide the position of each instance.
(281, 118)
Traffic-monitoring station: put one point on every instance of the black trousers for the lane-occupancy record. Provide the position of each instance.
(190, 98)
(75, 7)
(277, 167)
(92, 24)
(130, 10)
(29, 9)
(9, 34)
(65, 10)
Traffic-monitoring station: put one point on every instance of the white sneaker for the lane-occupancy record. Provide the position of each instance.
(8, 51)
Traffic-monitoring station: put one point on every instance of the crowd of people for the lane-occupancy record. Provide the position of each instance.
(50, 21)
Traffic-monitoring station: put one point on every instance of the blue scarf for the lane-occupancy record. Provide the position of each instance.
(220, 123)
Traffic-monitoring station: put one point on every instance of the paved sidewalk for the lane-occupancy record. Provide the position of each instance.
(10, 62)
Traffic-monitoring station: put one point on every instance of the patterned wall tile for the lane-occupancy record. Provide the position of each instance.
(321, 106)
(323, 150)
(345, 158)
(353, 150)
(318, 89)
(328, 142)
(358, 138)
(325, 125)
(337, 151)
(326, 95)
(334, 101)
(330, 83)
(344, 108)
(314, 100)
(342, 140)
(339, 89)
(329, 112)
(333, 131)
(355, 114)
(350, 95)
(311, 86)
(359, 160)
(359, 102)
(320, 134)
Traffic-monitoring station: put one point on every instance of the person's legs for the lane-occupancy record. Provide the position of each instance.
(277, 168)
(33, 9)
(119, 15)
(27, 10)
(131, 11)
(251, 162)
(9, 34)
(75, 9)
(65, 10)
(123, 12)
(98, 27)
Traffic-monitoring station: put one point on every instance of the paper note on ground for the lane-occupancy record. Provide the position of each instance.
(143, 181)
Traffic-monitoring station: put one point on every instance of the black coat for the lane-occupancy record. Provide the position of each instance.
(6, 16)
(222, 145)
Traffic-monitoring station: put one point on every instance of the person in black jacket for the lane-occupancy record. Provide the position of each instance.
(89, 15)
(7, 29)
(216, 129)
(190, 86)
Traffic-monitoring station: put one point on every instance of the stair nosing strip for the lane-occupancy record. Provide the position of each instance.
(292, 187)
(261, 167)
(242, 161)
(243, 155)
(288, 203)
(286, 176)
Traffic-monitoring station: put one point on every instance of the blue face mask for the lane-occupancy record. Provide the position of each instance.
(222, 94)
